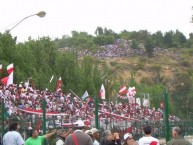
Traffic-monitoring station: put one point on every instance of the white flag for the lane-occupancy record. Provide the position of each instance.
(102, 92)
(51, 78)
(85, 95)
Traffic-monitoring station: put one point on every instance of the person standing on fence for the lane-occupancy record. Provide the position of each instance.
(177, 139)
(148, 139)
(108, 138)
(128, 139)
(35, 139)
(13, 137)
(78, 137)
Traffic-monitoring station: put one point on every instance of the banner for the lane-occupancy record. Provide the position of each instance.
(40, 112)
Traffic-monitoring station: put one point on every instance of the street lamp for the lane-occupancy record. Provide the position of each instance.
(40, 14)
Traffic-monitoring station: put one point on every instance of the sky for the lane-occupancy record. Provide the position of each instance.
(64, 16)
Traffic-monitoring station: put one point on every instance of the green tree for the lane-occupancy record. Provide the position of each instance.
(168, 39)
(178, 39)
(99, 31)
(158, 39)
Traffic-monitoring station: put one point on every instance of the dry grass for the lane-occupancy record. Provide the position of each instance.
(166, 66)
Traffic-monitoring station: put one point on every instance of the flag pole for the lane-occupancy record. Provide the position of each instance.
(75, 94)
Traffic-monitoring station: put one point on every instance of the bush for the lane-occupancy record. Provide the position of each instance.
(156, 67)
(113, 63)
(185, 63)
(119, 66)
(146, 81)
(139, 66)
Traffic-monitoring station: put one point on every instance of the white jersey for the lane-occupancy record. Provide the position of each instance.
(59, 142)
(96, 142)
(148, 140)
(12, 138)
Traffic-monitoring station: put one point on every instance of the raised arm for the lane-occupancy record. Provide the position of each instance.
(50, 134)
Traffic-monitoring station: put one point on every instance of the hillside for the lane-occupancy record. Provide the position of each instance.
(173, 69)
(169, 67)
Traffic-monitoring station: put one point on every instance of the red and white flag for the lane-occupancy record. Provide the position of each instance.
(6, 81)
(59, 83)
(131, 91)
(102, 92)
(10, 68)
(10, 80)
(123, 90)
(0, 68)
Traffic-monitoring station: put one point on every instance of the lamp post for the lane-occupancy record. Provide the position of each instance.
(40, 14)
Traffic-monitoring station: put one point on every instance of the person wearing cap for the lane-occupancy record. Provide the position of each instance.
(178, 139)
(61, 136)
(108, 138)
(90, 133)
(78, 137)
(128, 139)
(95, 133)
(148, 139)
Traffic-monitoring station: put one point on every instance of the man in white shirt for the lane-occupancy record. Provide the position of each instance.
(148, 139)
(12, 137)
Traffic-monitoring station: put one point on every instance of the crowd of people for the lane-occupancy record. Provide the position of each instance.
(120, 49)
(82, 135)
(123, 115)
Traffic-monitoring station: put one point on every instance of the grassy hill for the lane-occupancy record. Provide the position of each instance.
(168, 67)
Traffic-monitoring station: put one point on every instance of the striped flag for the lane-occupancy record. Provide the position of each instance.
(123, 90)
(59, 83)
(10, 68)
(0, 68)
